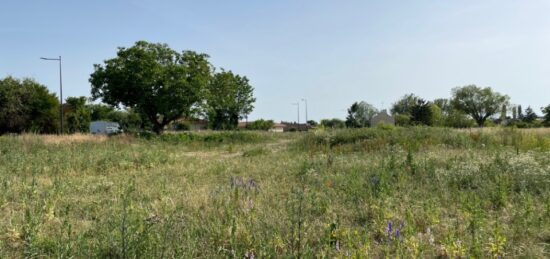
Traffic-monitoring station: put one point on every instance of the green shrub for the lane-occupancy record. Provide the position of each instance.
(260, 125)
(181, 126)
(402, 120)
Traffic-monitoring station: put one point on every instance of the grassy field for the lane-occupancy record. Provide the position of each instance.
(369, 193)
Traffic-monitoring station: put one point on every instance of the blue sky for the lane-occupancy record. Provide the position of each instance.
(331, 52)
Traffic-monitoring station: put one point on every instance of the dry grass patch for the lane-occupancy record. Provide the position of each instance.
(62, 139)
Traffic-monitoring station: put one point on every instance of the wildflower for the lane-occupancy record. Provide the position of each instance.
(412, 245)
(431, 239)
(457, 249)
(50, 213)
(496, 245)
(249, 184)
(390, 231)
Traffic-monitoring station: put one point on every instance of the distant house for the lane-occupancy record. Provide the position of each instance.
(278, 127)
(382, 118)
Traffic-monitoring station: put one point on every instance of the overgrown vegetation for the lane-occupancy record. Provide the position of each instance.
(27, 106)
(260, 124)
(367, 193)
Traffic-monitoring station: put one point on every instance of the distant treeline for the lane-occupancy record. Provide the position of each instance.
(27, 106)
(469, 106)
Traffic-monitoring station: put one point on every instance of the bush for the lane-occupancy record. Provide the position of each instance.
(260, 125)
(181, 126)
(385, 126)
(520, 124)
(489, 123)
(402, 120)
(457, 119)
(333, 123)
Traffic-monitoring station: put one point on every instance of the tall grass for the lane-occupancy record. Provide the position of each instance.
(421, 137)
(369, 193)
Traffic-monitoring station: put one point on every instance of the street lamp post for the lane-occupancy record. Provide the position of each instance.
(60, 92)
(305, 101)
(298, 104)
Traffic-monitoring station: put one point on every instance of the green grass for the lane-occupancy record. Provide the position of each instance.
(414, 192)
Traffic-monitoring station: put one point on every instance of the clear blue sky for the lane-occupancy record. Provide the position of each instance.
(331, 52)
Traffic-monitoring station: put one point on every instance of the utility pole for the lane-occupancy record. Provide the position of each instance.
(298, 104)
(60, 93)
(305, 101)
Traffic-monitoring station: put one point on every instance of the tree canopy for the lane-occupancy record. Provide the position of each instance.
(421, 113)
(479, 103)
(26, 105)
(229, 97)
(359, 115)
(158, 82)
(404, 105)
(444, 104)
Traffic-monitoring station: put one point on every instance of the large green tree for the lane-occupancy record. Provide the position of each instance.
(421, 113)
(158, 82)
(530, 115)
(26, 105)
(228, 99)
(444, 105)
(479, 103)
(359, 115)
(100, 112)
(404, 105)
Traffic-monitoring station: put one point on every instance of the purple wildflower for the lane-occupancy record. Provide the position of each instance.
(389, 229)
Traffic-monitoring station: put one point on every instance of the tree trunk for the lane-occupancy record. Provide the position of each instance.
(158, 128)
(480, 122)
